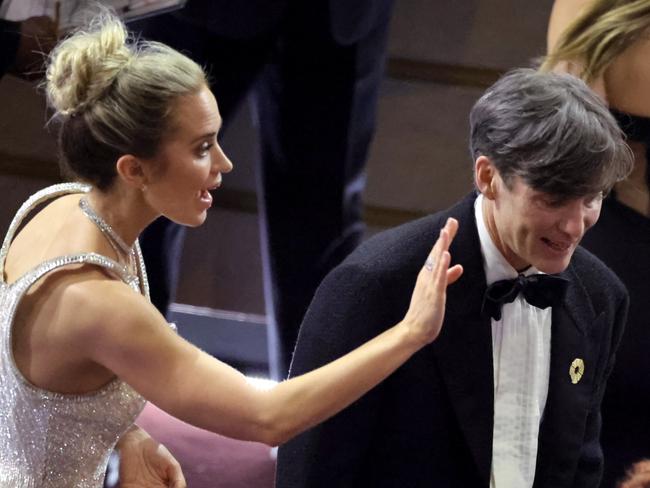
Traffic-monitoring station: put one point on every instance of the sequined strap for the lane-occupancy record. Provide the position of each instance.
(116, 269)
(36, 199)
(142, 271)
(52, 192)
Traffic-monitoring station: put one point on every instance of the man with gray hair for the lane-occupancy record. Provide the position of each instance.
(509, 394)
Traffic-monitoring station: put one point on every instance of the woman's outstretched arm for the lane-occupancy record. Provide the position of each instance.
(134, 342)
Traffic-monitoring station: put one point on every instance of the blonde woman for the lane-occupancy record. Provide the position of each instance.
(82, 347)
(607, 43)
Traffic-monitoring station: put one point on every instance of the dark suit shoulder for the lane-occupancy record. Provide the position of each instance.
(407, 244)
(600, 282)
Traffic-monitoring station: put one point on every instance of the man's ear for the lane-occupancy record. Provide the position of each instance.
(131, 170)
(485, 177)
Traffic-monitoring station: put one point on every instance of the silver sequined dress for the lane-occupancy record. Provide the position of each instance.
(48, 439)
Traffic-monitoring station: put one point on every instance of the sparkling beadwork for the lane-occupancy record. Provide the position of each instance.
(85, 207)
(47, 439)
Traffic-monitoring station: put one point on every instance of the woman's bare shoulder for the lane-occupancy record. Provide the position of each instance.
(83, 303)
(52, 231)
(94, 292)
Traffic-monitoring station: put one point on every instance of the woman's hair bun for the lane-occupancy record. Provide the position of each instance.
(124, 90)
(85, 65)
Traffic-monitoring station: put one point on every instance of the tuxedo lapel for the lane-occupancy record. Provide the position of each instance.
(569, 399)
(464, 348)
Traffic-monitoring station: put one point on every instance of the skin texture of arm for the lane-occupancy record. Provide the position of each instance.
(127, 336)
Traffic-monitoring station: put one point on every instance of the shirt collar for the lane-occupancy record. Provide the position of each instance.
(495, 265)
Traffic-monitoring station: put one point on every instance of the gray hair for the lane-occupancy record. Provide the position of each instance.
(552, 131)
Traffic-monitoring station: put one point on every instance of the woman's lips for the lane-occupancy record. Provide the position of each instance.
(205, 197)
(204, 194)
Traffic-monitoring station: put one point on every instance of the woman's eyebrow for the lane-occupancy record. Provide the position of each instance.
(204, 136)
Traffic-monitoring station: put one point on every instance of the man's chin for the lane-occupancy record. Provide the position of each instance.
(553, 266)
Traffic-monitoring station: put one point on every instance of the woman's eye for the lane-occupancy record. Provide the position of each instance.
(205, 148)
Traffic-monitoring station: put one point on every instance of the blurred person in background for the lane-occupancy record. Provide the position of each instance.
(24, 45)
(607, 44)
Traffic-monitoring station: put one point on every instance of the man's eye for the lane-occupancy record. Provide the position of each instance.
(594, 199)
(552, 202)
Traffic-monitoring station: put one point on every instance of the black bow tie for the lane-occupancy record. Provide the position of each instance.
(540, 290)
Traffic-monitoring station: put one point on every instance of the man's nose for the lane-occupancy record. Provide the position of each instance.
(575, 220)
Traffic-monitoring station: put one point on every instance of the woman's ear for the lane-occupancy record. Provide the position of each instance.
(485, 177)
(131, 170)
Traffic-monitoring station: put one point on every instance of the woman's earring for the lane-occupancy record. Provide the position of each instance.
(144, 188)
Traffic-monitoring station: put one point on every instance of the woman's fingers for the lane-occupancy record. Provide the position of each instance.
(440, 276)
(447, 234)
(427, 308)
(453, 227)
(454, 273)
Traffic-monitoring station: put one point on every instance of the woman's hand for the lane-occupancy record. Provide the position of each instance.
(145, 463)
(638, 476)
(427, 309)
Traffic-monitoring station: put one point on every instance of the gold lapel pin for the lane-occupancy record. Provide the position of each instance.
(576, 370)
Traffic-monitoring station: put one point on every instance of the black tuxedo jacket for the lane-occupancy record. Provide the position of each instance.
(430, 423)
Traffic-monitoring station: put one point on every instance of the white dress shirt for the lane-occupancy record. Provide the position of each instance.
(521, 348)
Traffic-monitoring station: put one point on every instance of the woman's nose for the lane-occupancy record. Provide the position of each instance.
(221, 162)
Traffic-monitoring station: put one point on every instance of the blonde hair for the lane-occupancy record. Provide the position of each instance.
(600, 33)
(114, 96)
